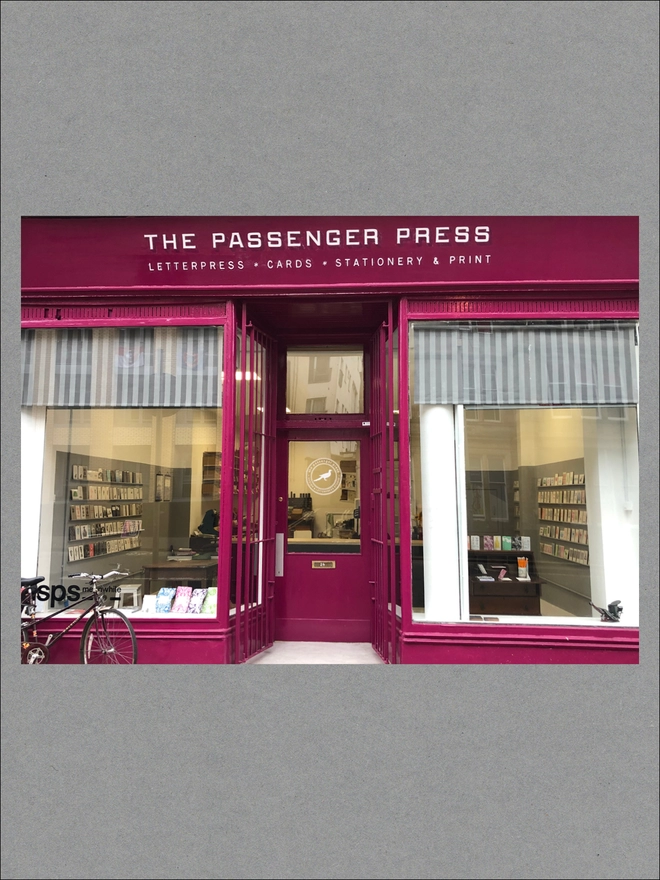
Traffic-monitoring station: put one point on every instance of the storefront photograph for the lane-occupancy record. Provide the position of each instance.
(415, 434)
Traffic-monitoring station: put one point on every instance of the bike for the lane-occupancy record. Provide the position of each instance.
(107, 637)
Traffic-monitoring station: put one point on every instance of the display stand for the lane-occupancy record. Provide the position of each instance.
(494, 593)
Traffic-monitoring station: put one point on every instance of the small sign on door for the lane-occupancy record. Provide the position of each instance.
(323, 563)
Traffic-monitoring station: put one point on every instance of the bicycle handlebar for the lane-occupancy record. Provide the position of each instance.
(99, 577)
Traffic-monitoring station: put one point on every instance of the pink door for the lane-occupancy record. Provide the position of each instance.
(322, 556)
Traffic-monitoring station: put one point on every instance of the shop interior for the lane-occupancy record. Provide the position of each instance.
(555, 487)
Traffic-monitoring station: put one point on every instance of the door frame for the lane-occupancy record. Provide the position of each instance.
(253, 448)
(329, 629)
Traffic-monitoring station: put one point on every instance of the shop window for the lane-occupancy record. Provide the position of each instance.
(125, 427)
(528, 516)
(315, 375)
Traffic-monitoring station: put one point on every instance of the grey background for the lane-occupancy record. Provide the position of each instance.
(320, 108)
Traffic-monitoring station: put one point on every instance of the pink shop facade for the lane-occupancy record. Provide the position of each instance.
(415, 432)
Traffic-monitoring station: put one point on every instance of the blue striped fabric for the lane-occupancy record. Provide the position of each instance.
(146, 366)
(526, 364)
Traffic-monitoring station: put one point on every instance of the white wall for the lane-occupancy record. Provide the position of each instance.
(33, 431)
(440, 513)
(547, 436)
(612, 485)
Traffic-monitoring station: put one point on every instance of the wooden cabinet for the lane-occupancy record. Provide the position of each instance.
(506, 594)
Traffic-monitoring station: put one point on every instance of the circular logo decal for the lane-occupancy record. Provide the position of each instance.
(323, 476)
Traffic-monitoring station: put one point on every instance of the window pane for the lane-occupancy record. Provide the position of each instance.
(552, 490)
(561, 495)
(324, 490)
(136, 490)
(522, 508)
(324, 381)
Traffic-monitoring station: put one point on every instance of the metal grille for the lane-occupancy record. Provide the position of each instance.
(254, 492)
(385, 584)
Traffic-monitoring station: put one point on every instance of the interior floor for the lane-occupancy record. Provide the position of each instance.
(318, 652)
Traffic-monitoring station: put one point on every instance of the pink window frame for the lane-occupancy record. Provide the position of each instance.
(469, 641)
(221, 314)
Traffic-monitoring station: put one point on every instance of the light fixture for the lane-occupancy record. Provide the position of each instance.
(248, 376)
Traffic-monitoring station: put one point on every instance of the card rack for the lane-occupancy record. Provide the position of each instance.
(562, 514)
(105, 511)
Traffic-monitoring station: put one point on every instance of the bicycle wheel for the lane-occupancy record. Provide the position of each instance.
(35, 653)
(108, 637)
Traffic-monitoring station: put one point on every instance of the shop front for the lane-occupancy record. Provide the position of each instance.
(420, 433)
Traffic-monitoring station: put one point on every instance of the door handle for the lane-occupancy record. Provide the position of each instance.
(279, 554)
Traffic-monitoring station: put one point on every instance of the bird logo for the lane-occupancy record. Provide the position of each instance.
(323, 476)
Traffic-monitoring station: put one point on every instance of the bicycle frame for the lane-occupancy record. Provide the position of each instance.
(53, 638)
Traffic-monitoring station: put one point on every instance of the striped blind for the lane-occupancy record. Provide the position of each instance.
(146, 366)
(526, 364)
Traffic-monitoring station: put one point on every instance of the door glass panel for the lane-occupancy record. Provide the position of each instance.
(324, 502)
(321, 380)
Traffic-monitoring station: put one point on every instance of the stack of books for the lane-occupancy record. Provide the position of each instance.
(182, 553)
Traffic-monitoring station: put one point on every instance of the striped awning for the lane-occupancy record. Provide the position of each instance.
(526, 364)
(146, 366)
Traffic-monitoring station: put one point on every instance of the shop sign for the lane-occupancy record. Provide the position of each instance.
(311, 252)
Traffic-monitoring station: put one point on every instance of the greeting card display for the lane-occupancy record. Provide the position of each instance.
(181, 600)
(164, 599)
(210, 605)
(197, 600)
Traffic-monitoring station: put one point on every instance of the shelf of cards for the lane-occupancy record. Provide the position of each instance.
(568, 478)
(573, 536)
(106, 492)
(97, 511)
(569, 554)
(102, 548)
(563, 496)
(121, 527)
(563, 514)
(104, 475)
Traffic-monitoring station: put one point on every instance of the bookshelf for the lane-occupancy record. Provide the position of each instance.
(105, 511)
(562, 515)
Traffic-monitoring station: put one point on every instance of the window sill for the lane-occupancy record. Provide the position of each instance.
(418, 617)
